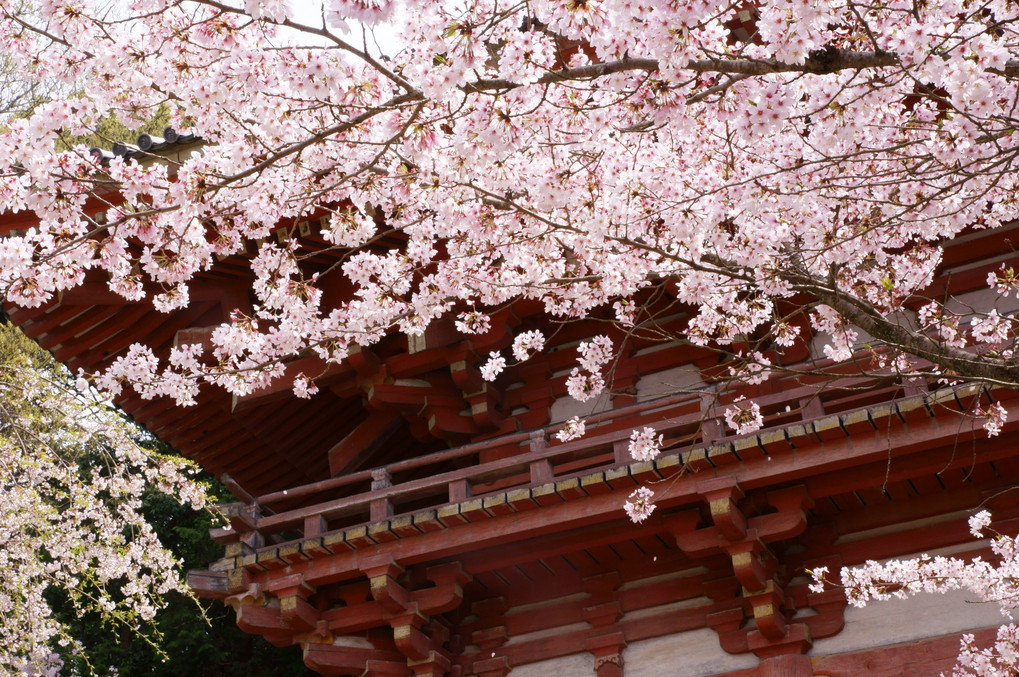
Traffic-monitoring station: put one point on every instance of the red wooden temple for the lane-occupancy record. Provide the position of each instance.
(412, 519)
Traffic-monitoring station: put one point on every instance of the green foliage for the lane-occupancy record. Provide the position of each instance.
(197, 639)
(110, 130)
(18, 349)
(187, 637)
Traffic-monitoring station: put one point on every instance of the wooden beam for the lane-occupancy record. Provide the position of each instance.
(191, 335)
(313, 367)
(363, 441)
(414, 397)
(928, 656)
(94, 294)
(440, 333)
(448, 425)
(49, 321)
(342, 659)
(155, 329)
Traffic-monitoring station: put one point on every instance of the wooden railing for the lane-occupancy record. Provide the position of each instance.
(689, 422)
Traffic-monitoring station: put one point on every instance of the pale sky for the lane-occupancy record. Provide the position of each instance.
(310, 12)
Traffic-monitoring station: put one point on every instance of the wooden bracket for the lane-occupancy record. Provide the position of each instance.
(435, 664)
(768, 611)
(447, 594)
(410, 640)
(754, 565)
(364, 361)
(496, 666)
(385, 590)
(298, 614)
(391, 595)
(252, 595)
(334, 660)
(721, 498)
(268, 622)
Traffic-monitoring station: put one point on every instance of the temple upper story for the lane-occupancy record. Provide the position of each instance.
(414, 517)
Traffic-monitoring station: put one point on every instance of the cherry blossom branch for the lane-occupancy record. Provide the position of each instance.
(823, 62)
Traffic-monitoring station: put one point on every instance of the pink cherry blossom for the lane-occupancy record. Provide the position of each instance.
(639, 506)
(641, 167)
(994, 417)
(573, 430)
(979, 522)
(744, 417)
(527, 344)
(644, 446)
(72, 518)
(493, 367)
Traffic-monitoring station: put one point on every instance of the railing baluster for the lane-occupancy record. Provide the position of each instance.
(541, 470)
(621, 452)
(459, 490)
(315, 525)
(380, 508)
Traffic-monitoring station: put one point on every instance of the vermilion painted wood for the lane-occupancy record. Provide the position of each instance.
(533, 538)
(378, 424)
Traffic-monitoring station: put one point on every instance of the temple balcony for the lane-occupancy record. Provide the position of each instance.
(413, 518)
(523, 554)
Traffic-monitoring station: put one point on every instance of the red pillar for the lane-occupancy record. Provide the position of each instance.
(789, 665)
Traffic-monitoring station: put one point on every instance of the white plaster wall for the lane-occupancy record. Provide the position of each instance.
(668, 382)
(566, 407)
(548, 632)
(353, 642)
(659, 384)
(903, 620)
(578, 665)
(687, 654)
(821, 339)
(697, 653)
(981, 300)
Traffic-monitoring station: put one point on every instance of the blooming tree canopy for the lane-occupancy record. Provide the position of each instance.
(570, 152)
(753, 157)
(72, 478)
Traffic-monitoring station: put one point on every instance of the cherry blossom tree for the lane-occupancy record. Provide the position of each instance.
(575, 153)
(71, 482)
(992, 583)
(781, 167)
